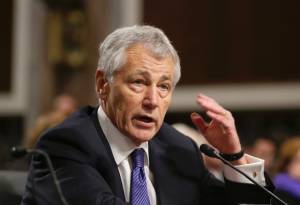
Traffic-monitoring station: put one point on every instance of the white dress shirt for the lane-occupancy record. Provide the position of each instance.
(122, 147)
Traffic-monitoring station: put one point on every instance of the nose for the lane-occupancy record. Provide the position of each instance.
(151, 98)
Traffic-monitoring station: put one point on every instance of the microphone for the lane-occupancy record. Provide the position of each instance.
(210, 152)
(18, 152)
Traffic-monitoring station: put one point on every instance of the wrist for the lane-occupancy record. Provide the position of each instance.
(243, 160)
(233, 156)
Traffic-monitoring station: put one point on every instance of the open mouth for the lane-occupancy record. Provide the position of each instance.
(145, 119)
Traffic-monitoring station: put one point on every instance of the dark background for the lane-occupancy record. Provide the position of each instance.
(225, 41)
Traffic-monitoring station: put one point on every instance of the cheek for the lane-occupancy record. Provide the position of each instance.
(165, 105)
(294, 168)
(297, 165)
(116, 105)
(125, 106)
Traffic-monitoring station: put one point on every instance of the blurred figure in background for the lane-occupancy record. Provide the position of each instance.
(265, 149)
(287, 181)
(63, 106)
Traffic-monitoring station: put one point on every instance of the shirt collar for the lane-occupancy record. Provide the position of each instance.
(121, 146)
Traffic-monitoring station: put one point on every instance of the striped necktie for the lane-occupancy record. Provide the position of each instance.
(138, 188)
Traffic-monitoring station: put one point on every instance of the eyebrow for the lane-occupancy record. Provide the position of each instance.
(166, 77)
(141, 72)
(146, 74)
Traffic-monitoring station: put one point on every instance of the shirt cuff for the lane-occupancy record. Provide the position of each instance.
(254, 169)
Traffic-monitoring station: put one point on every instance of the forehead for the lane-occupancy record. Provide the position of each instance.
(138, 57)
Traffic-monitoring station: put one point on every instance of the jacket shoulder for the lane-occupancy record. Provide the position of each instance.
(76, 138)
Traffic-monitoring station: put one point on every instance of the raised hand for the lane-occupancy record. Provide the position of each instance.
(220, 132)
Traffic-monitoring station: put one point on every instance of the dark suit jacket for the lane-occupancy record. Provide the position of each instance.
(88, 173)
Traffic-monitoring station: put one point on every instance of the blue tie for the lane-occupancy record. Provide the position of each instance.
(138, 188)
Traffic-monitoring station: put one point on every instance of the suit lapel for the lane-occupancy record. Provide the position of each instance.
(157, 155)
(168, 164)
(111, 171)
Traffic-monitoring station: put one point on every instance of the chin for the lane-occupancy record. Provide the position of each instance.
(142, 137)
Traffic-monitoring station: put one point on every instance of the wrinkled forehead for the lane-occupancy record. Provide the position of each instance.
(141, 56)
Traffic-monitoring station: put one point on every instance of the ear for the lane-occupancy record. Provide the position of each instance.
(102, 86)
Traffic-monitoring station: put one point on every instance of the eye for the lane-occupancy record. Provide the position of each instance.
(137, 84)
(165, 86)
(138, 81)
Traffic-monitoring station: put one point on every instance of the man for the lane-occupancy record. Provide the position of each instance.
(122, 152)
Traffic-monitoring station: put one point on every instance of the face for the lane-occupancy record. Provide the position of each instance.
(265, 149)
(294, 166)
(140, 94)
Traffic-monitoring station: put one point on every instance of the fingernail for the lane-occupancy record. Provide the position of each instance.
(194, 114)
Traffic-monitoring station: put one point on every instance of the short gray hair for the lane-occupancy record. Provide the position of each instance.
(113, 48)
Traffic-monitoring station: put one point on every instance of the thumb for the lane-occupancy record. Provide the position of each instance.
(199, 122)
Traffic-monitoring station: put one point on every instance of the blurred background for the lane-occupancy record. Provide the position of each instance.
(243, 53)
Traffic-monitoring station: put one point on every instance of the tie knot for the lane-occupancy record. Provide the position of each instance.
(137, 157)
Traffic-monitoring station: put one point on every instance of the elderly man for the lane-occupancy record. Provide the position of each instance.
(122, 152)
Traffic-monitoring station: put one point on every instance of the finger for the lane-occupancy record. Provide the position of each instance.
(211, 105)
(199, 122)
(221, 118)
(215, 111)
(201, 95)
